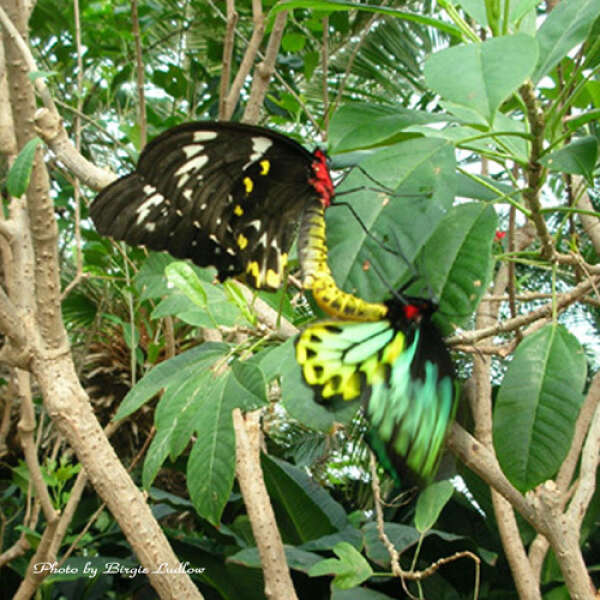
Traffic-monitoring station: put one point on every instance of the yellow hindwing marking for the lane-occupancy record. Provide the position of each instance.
(242, 241)
(238, 210)
(248, 184)
(273, 278)
(254, 270)
(265, 165)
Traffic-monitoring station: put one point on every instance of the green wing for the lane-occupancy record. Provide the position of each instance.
(408, 399)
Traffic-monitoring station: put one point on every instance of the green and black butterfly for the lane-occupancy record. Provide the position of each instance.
(400, 369)
(232, 196)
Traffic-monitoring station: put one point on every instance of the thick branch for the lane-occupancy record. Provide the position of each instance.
(535, 172)
(278, 583)
(49, 127)
(68, 406)
(264, 71)
(562, 301)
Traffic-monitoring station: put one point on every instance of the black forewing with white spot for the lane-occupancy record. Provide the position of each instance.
(222, 194)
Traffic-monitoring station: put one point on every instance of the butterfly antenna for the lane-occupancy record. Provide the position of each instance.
(380, 187)
(380, 243)
(398, 294)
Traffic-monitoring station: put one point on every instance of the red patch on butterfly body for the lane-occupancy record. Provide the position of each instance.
(322, 179)
(411, 312)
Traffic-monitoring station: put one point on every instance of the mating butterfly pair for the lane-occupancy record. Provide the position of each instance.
(231, 196)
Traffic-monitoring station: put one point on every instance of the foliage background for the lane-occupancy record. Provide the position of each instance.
(453, 134)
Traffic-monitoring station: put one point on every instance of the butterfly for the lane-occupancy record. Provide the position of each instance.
(231, 195)
(224, 194)
(399, 368)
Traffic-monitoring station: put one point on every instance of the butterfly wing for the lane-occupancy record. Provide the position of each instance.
(403, 378)
(222, 194)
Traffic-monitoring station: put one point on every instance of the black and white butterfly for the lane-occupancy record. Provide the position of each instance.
(223, 194)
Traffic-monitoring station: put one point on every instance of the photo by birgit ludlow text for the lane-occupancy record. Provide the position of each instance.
(90, 569)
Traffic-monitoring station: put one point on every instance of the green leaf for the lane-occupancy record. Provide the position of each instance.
(421, 172)
(211, 465)
(246, 384)
(350, 570)
(578, 157)
(351, 535)
(150, 280)
(402, 536)
(182, 276)
(310, 512)
(362, 125)
(458, 258)
(576, 121)
(537, 405)
(169, 372)
(333, 5)
(430, 503)
(481, 76)
(297, 559)
(155, 456)
(293, 42)
(566, 26)
(18, 177)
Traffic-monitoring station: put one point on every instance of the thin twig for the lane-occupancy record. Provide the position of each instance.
(139, 71)
(248, 60)
(228, 44)
(264, 70)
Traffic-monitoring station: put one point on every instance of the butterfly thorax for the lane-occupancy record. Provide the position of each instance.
(409, 312)
(322, 179)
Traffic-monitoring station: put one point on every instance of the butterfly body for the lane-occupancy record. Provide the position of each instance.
(223, 194)
(400, 370)
(317, 276)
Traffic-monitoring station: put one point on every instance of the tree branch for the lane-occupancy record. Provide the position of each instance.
(50, 128)
(228, 45)
(278, 582)
(264, 70)
(247, 61)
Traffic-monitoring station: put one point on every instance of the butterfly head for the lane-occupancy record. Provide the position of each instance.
(321, 180)
(410, 310)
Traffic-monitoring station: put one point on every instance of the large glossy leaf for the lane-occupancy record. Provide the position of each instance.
(422, 174)
(537, 406)
(458, 259)
(171, 372)
(567, 25)
(346, 5)
(481, 76)
(430, 503)
(211, 465)
(150, 280)
(351, 535)
(362, 125)
(180, 400)
(297, 559)
(578, 157)
(402, 536)
(305, 511)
